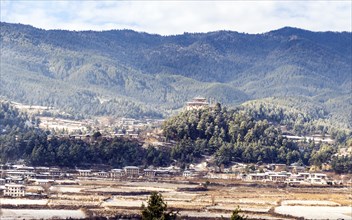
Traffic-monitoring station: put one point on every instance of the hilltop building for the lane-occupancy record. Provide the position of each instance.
(197, 103)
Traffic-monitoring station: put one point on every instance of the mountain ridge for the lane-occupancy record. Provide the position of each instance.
(160, 73)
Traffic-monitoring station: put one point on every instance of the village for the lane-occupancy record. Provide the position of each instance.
(200, 191)
(15, 178)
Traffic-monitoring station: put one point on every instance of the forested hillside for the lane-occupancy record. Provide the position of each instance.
(126, 73)
(228, 136)
(244, 135)
(19, 139)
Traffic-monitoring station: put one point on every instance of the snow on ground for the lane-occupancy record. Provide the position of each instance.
(316, 212)
(11, 214)
(6, 201)
(309, 203)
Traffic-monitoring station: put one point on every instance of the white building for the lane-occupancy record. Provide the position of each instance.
(102, 174)
(188, 173)
(278, 178)
(149, 172)
(257, 176)
(85, 172)
(318, 175)
(131, 170)
(116, 173)
(14, 190)
(304, 175)
(197, 103)
(44, 182)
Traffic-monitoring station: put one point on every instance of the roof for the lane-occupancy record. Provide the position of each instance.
(116, 170)
(14, 185)
(44, 180)
(131, 167)
(258, 174)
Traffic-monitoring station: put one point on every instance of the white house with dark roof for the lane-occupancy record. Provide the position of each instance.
(14, 190)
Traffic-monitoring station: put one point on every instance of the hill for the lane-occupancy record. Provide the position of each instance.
(127, 73)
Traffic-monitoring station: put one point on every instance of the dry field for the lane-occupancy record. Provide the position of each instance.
(110, 198)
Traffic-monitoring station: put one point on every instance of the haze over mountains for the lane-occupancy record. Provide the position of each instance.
(126, 73)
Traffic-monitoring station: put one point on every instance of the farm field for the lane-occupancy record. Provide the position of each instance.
(124, 198)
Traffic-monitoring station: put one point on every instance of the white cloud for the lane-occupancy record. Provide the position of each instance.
(175, 17)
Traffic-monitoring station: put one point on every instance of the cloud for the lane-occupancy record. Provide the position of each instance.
(175, 17)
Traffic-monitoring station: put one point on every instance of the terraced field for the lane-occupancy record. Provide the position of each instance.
(123, 198)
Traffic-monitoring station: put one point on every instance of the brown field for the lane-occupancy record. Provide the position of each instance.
(111, 198)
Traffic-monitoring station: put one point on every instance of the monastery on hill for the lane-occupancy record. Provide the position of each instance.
(197, 103)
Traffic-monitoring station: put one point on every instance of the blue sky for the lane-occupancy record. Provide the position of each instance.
(177, 17)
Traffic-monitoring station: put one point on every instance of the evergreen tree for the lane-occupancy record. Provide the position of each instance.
(156, 209)
(235, 215)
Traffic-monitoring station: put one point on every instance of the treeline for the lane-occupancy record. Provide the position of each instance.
(342, 164)
(36, 149)
(12, 120)
(301, 116)
(19, 139)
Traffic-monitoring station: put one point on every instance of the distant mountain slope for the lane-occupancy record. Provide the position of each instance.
(126, 73)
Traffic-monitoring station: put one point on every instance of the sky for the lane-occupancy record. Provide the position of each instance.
(177, 17)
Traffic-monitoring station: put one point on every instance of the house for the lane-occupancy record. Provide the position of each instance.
(149, 173)
(16, 180)
(116, 173)
(318, 175)
(165, 172)
(314, 180)
(188, 173)
(278, 178)
(85, 172)
(55, 172)
(131, 170)
(222, 176)
(13, 173)
(279, 167)
(295, 178)
(42, 169)
(14, 190)
(298, 169)
(304, 175)
(257, 176)
(102, 174)
(44, 182)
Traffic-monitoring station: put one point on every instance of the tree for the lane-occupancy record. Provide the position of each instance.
(156, 209)
(236, 216)
(96, 135)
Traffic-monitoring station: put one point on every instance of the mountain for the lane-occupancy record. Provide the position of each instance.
(128, 73)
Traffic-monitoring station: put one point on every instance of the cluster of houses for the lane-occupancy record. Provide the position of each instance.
(131, 172)
(277, 173)
(15, 178)
(123, 128)
(289, 178)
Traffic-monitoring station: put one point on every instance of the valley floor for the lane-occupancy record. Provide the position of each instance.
(124, 199)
